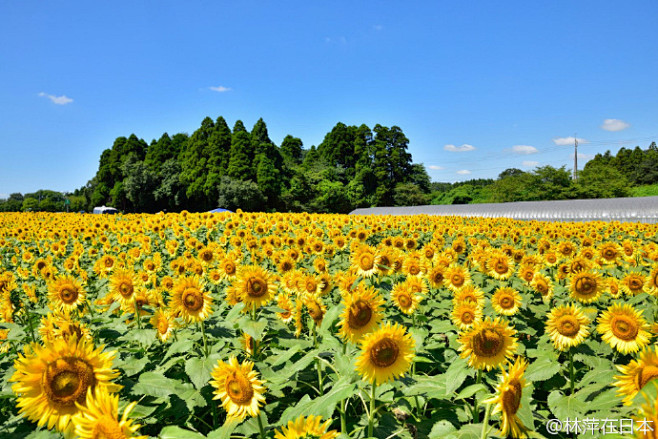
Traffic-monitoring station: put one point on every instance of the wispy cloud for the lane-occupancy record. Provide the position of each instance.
(585, 156)
(341, 40)
(220, 89)
(378, 27)
(463, 172)
(530, 163)
(614, 125)
(563, 141)
(465, 147)
(524, 149)
(59, 100)
(435, 167)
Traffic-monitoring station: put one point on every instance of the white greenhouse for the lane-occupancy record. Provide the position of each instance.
(638, 209)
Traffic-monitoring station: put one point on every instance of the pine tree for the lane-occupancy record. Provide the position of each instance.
(241, 155)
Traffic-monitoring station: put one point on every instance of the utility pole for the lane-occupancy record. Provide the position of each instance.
(575, 158)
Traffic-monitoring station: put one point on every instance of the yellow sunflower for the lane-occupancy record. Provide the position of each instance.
(508, 399)
(51, 378)
(123, 284)
(362, 314)
(436, 276)
(364, 261)
(190, 300)
(306, 427)
(284, 302)
(500, 266)
(506, 301)
(567, 326)
(469, 293)
(647, 419)
(636, 374)
(238, 387)
(624, 328)
(466, 314)
(254, 286)
(456, 277)
(633, 284)
(488, 343)
(66, 293)
(586, 286)
(385, 354)
(163, 323)
(405, 298)
(316, 309)
(543, 286)
(99, 418)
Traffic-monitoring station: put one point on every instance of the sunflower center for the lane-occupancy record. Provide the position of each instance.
(542, 288)
(229, 268)
(366, 261)
(126, 289)
(487, 343)
(414, 270)
(586, 286)
(256, 287)
(467, 317)
(635, 284)
(109, 262)
(506, 302)
(192, 299)
(67, 379)
(384, 353)
(647, 373)
(512, 397)
(108, 428)
(360, 314)
(501, 267)
(568, 326)
(239, 389)
(609, 254)
(163, 326)
(624, 328)
(405, 300)
(437, 277)
(68, 295)
(457, 280)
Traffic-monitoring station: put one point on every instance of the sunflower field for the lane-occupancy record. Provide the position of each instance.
(251, 325)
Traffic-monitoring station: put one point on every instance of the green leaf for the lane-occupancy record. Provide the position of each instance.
(199, 369)
(281, 357)
(174, 432)
(604, 401)
(456, 375)
(133, 366)
(564, 407)
(255, 329)
(155, 384)
(330, 317)
(323, 406)
(470, 391)
(433, 387)
(470, 431)
(442, 430)
(182, 345)
(145, 337)
(541, 369)
(224, 432)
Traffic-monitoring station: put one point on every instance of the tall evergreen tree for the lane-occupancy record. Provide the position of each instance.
(241, 155)
(291, 149)
(194, 162)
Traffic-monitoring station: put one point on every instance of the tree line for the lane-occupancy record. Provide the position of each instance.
(354, 166)
(604, 176)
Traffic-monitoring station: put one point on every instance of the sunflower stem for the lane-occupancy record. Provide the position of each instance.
(343, 417)
(139, 321)
(253, 312)
(476, 411)
(571, 374)
(485, 423)
(205, 339)
(371, 417)
(319, 367)
(260, 427)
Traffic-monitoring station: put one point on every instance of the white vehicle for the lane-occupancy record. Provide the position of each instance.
(105, 210)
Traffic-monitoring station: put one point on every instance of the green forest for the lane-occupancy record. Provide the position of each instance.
(354, 166)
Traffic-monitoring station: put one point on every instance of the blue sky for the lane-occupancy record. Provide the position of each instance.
(477, 87)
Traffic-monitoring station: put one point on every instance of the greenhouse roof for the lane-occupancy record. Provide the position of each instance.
(638, 209)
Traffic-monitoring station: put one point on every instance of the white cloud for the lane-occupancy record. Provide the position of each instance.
(530, 163)
(435, 168)
(524, 149)
(563, 141)
(220, 89)
(463, 172)
(4, 196)
(463, 148)
(59, 100)
(378, 27)
(585, 156)
(614, 125)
